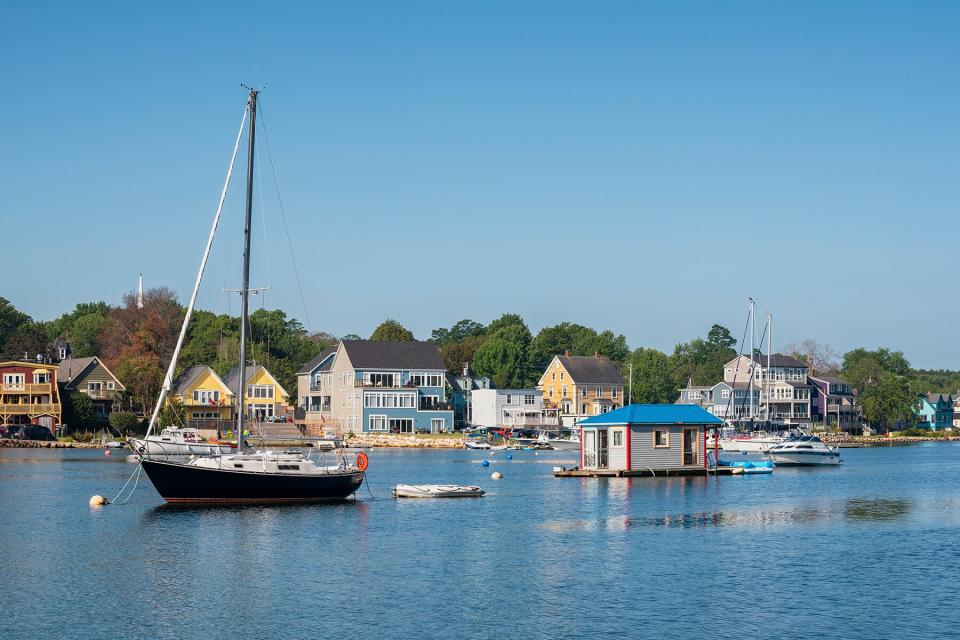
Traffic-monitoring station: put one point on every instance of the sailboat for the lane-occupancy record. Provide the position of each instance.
(257, 477)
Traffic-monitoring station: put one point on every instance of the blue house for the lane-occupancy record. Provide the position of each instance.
(934, 411)
(647, 437)
(380, 386)
(461, 390)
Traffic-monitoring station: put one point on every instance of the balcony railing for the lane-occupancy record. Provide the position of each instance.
(369, 384)
(28, 409)
(25, 388)
(316, 387)
(101, 394)
(435, 406)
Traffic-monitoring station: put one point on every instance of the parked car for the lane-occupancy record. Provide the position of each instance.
(32, 432)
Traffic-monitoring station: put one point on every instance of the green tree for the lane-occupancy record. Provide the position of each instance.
(578, 340)
(862, 367)
(654, 380)
(457, 333)
(27, 341)
(78, 413)
(125, 423)
(501, 358)
(719, 337)
(81, 327)
(506, 320)
(455, 354)
(10, 319)
(888, 401)
(701, 361)
(392, 330)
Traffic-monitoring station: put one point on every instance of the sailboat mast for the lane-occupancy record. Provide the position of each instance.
(753, 331)
(769, 351)
(245, 287)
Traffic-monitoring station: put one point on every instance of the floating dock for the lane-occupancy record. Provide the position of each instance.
(561, 472)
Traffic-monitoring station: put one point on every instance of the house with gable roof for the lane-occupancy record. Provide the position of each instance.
(264, 398)
(381, 387)
(91, 377)
(578, 387)
(934, 411)
(207, 401)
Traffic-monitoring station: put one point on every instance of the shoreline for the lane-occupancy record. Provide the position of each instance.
(10, 443)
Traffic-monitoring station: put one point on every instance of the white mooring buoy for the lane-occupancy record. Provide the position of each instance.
(97, 501)
(496, 475)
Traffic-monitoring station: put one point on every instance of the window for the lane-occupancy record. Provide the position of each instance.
(378, 423)
(509, 399)
(426, 379)
(583, 392)
(259, 390)
(693, 395)
(110, 386)
(553, 376)
(618, 438)
(94, 386)
(401, 425)
(613, 392)
(437, 425)
(583, 409)
(205, 415)
(41, 378)
(564, 391)
(598, 392)
(561, 375)
(206, 396)
(550, 391)
(529, 399)
(661, 439)
(725, 393)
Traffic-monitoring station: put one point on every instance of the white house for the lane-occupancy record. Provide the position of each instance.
(510, 408)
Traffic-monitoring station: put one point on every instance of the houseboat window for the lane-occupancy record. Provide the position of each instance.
(661, 438)
(618, 438)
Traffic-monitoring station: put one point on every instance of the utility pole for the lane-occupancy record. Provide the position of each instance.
(630, 382)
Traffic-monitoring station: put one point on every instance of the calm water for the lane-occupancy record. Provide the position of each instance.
(867, 550)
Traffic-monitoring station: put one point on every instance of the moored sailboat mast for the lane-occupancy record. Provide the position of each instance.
(245, 286)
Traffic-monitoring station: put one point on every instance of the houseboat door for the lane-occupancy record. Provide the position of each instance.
(690, 448)
(603, 449)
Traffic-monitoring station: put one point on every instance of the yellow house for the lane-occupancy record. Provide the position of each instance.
(206, 399)
(578, 387)
(265, 398)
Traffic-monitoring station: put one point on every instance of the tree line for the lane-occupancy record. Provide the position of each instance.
(137, 344)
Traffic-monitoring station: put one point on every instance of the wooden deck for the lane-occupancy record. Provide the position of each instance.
(646, 472)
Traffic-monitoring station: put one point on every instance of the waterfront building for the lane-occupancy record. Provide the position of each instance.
(29, 394)
(511, 409)
(382, 387)
(727, 401)
(655, 437)
(92, 378)
(702, 396)
(461, 388)
(784, 391)
(578, 387)
(833, 403)
(265, 399)
(206, 400)
(934, 411)
(314, 388)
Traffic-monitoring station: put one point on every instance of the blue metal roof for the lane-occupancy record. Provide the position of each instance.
(654, 414)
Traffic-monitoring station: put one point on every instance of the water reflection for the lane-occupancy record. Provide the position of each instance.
(864, 509)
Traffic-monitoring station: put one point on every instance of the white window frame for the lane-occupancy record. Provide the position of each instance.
(438, 428)
(380, 420)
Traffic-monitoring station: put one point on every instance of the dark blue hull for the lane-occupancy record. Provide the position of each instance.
(184, 484)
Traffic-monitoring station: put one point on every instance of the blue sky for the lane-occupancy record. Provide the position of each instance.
(643, 167)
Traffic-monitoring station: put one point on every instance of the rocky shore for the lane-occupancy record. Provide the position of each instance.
(9, 443)
(409, 442)
(880, 441)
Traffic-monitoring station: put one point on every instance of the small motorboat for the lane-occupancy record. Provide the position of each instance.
(436, 491)
(748, 466)
(475, 445)
(804, 451)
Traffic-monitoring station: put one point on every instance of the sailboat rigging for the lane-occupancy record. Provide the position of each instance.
(241, 478)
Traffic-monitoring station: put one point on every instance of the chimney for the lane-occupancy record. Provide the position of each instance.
(566, 352)
(466, 369)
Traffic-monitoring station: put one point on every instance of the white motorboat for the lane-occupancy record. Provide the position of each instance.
(757, 443)
(174, 441)
(467, 444)
(436, 491)
(560, 443)
(804, 451)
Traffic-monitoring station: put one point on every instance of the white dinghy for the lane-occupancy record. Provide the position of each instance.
(436, 491)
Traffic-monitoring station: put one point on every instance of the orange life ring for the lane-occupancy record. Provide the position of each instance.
(362, 461)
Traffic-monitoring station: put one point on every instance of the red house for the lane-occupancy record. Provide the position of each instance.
(29, 395)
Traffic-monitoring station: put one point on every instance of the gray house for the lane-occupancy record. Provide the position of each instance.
(654, 437)
(91, 377)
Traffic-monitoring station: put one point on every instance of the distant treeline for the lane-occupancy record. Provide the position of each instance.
(137, 345)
